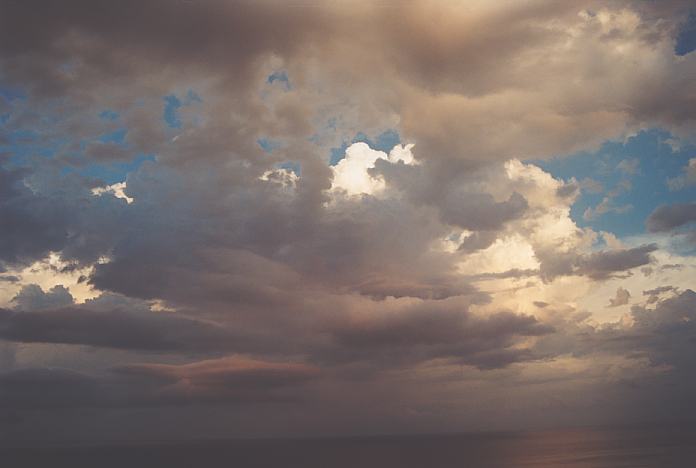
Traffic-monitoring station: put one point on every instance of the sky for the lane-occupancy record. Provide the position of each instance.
(276, 218)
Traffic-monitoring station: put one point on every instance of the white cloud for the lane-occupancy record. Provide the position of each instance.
(117, 190)
(351, 173)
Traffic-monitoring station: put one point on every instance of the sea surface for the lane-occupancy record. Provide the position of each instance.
(648, 446)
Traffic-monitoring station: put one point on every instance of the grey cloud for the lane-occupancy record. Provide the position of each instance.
(598, 266)
(622, 297)
(7, 355)
(32, 297)
(654, 294)
(662, 334)
(44, 211)
(604, 264)
(121, 329)
(478, 241)
(668, 217)
(568, 190)
(26, 389)
(32, 224)
(108, 152)
(455, 194)
(429, 331)
(477, 211)
(230, 380)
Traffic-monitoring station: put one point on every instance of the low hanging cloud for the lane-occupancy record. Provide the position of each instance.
(232, 380)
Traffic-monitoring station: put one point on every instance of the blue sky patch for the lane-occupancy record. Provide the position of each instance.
(623, 182)
(268, 145)
(111, 173)
(291, 166)
(10, 94)
(280, 76)
(108, 114)
(686, 40)
(170, 115)
(117, 136)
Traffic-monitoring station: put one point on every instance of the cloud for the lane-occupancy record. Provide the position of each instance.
(598, 265)
(622, 298)
(352, 172)
(687, 179)
(110, 322)
(33, 225)
(427, 331)
(230, 380)
(442, 269)
(654, 294)
(668, 217)
(117, 189)
(604, 264)
(31, 297)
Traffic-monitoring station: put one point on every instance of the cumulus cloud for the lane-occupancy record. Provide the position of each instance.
(32, 297)
(351, 174)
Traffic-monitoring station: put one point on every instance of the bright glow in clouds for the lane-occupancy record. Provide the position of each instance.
(351, 174)
(117, 190)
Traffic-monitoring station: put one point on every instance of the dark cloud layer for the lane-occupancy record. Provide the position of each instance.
(225, 381)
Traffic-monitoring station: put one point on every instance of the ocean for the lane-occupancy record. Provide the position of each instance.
(645, 446)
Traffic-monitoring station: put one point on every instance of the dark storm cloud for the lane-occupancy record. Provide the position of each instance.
(44, 211)
(32, 225)
(111, 321)
(115, 329)
(438, 330)
(32, 297)
(668, 217)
